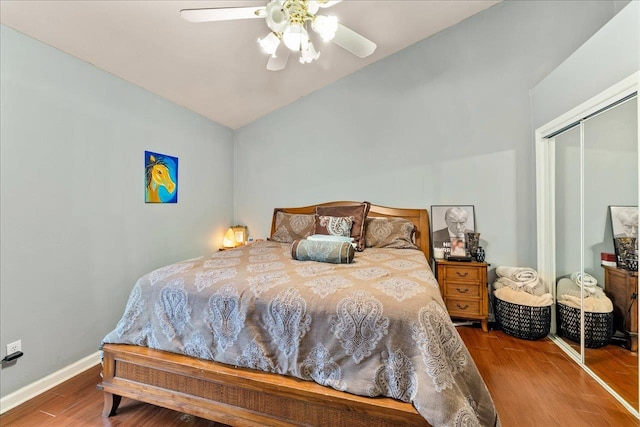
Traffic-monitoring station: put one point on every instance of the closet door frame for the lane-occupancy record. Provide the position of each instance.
(545, 204)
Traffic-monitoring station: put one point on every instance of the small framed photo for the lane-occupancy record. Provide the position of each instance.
(624, 227)
(451, 221)
(240, 232)
(458, 247)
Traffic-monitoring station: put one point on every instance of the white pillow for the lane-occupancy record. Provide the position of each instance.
(333, 238)
(330, 238)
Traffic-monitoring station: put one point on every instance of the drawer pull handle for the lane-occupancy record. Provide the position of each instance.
(461, 307)
(462, 291)
(462, 274)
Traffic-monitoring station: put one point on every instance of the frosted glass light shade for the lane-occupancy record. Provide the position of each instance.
(296, 38)
(308, 55)
(326, 26)
(276, 17)
(269, 44)
(229, 240)
(312, 7)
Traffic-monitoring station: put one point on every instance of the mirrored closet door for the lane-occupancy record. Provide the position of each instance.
(610, 178)
(587, 163)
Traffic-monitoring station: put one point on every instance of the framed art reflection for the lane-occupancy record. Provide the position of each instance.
(624, 227)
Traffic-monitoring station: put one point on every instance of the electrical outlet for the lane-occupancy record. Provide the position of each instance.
(14, 347)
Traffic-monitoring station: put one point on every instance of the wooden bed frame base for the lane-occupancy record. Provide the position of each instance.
(238, 396)
(245, 397)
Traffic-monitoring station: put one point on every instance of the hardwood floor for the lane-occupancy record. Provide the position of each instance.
(533, 383)
(616, 365)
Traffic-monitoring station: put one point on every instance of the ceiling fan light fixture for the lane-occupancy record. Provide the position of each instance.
(326, 26)
(296, 38)
(289, 21)
(276, 16)
(269, 44)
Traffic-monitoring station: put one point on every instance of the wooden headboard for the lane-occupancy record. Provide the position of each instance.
(420, 217)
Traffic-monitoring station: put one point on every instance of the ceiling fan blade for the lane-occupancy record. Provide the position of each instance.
(349, 40)
(280, 61)
(222, 14)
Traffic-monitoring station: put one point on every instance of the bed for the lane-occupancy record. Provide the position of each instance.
(315, 344)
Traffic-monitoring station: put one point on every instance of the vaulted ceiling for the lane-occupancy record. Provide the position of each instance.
(217, 69)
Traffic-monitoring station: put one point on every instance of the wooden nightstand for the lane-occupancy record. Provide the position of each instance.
(621, 286)
(463, 286)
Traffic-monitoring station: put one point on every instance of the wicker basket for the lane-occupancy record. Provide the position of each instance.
(523, 321)
(598, 327)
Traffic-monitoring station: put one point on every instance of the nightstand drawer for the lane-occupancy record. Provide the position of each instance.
(462, 290)
(463, 307)
(470, 273)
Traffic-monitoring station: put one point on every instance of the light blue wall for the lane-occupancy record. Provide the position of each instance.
(75, 231)
(446, 121)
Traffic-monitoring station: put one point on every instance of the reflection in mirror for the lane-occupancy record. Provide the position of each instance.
(611, 178)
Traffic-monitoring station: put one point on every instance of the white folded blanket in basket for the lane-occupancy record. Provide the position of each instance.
(567, 286)
(523, 298)
(584, 279)
(537, 289)
(525, 275)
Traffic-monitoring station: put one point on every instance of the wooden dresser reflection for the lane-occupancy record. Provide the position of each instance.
(621, 286)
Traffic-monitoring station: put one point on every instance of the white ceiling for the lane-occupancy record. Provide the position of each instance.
(217, 69)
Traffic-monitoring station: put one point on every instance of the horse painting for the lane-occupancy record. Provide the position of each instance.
(161, 178)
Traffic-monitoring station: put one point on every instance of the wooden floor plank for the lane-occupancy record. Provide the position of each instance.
(533, 383)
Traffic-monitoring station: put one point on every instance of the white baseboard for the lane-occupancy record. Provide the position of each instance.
(38, 387)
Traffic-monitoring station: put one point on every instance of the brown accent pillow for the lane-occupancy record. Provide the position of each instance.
(389, 233)
(358, 212)
(334, 225)
(290, 227)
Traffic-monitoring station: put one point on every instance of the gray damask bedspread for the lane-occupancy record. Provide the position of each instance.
(375, 327)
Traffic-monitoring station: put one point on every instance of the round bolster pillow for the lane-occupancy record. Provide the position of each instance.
(323, 251)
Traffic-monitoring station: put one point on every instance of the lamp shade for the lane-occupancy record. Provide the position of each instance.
(312, 7)
(309, 54)
(277, 16)
(326, 26)
(269, 44)
(229, 240)
(296, 38)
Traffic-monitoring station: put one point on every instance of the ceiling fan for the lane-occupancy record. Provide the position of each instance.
(289, 21)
